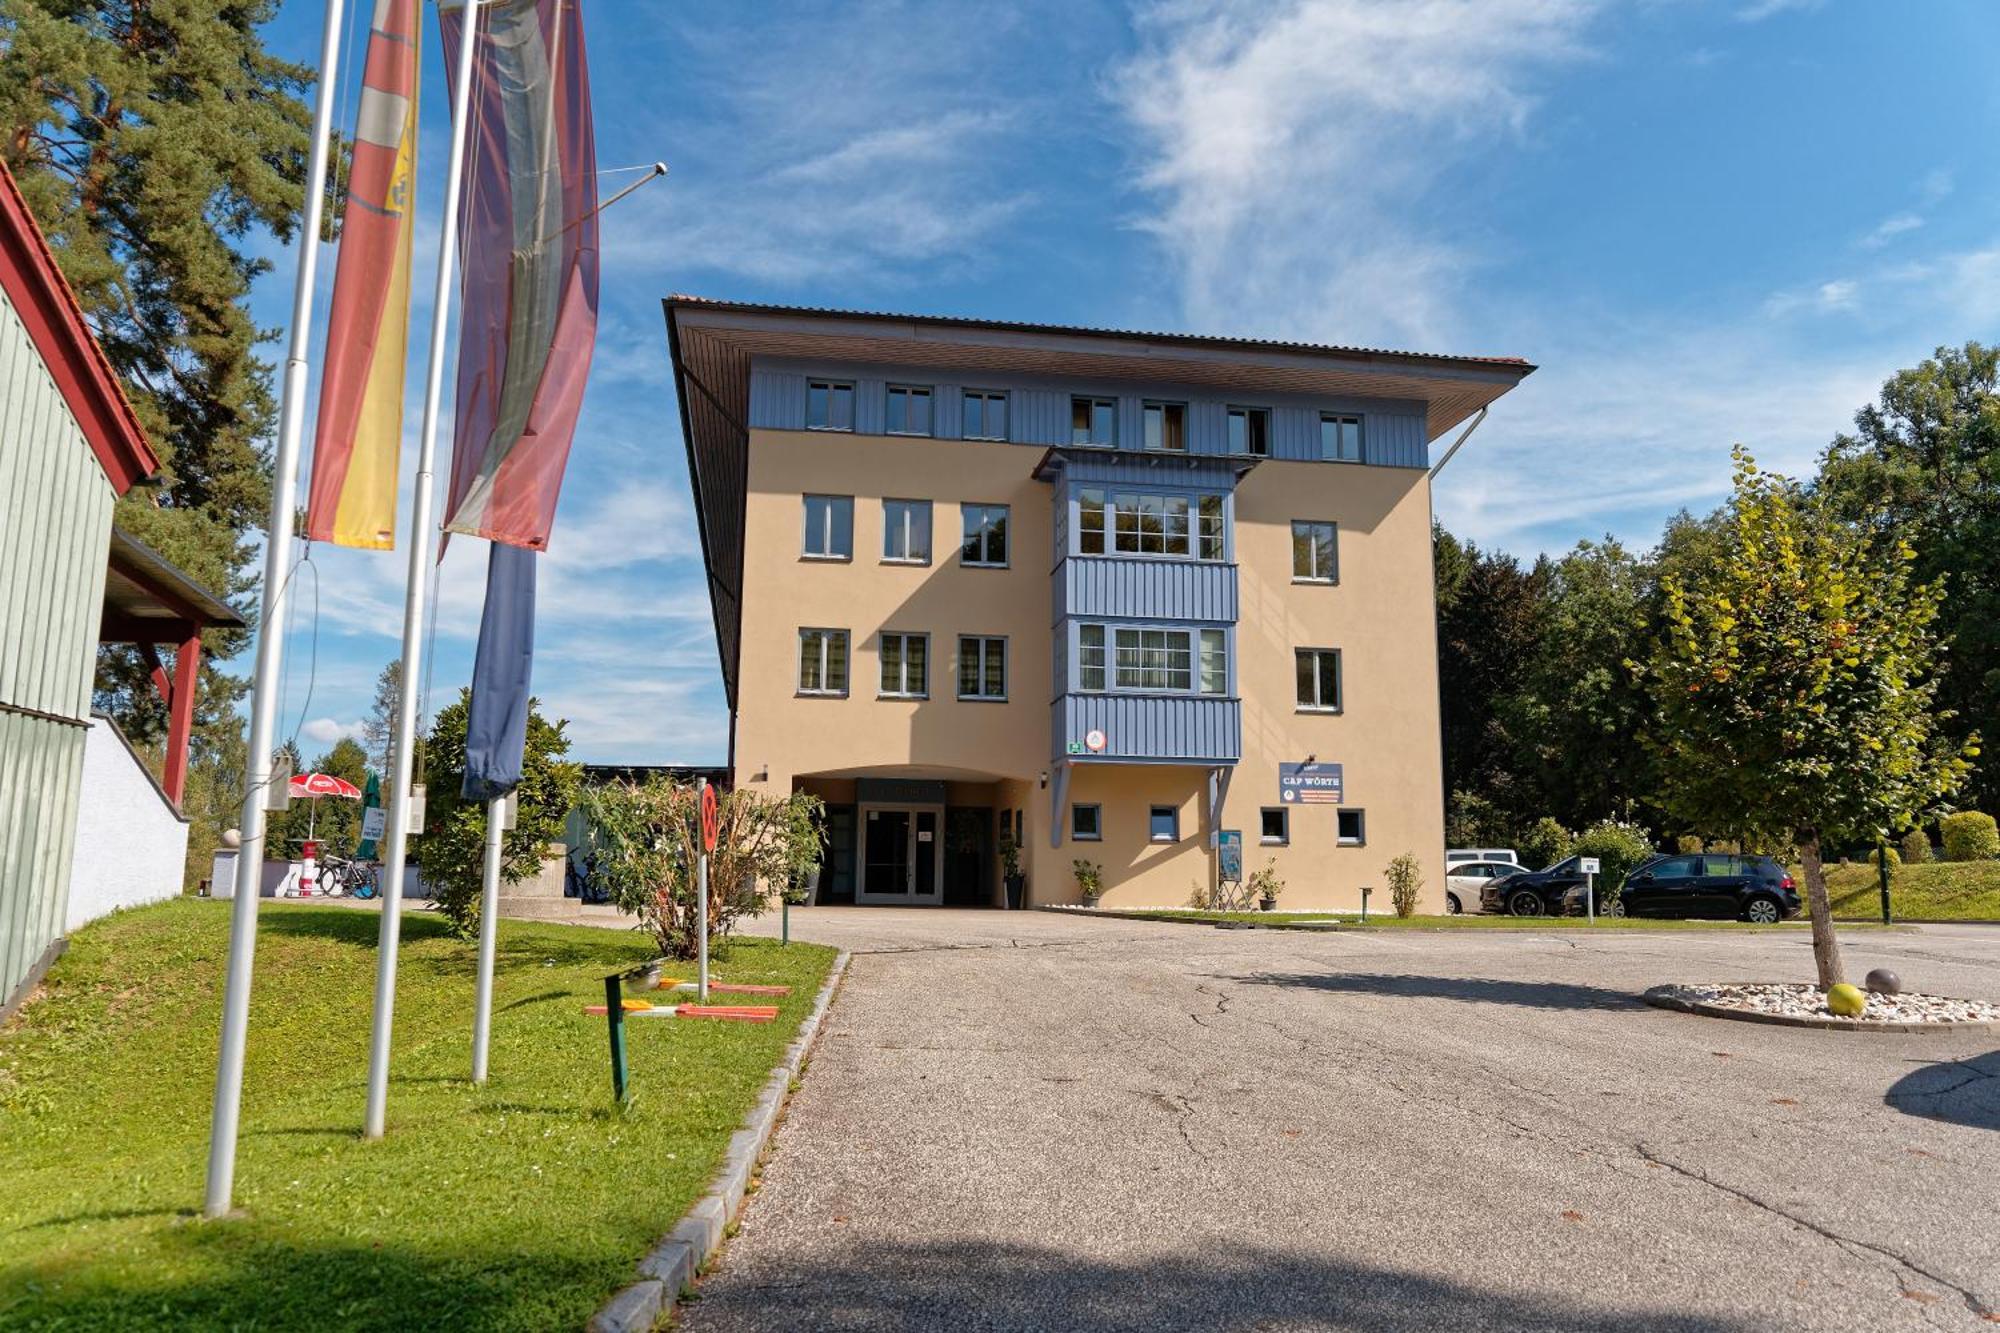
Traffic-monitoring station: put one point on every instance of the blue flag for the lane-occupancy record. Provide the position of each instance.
(496, 726)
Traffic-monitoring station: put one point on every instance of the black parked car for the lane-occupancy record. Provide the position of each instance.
(1718, 886)
(1532, 892)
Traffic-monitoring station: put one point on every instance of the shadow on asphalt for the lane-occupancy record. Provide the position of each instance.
(898, 1288)
(1959, 1092)
(1477, 990)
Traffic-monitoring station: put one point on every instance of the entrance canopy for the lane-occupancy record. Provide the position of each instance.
(148, 601)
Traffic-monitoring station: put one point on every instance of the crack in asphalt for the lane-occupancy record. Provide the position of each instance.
(1972, 1301)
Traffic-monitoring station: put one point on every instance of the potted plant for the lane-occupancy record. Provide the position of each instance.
(1089, 880)
(1010, 869)
(1264, 882)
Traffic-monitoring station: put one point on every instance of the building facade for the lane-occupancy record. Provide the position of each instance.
(1126, 598)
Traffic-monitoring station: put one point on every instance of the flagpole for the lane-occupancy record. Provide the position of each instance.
(489, 927)
(421, 526)
(270, 647)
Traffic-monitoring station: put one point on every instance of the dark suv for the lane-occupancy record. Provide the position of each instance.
(1532, 892)
(1719, 886)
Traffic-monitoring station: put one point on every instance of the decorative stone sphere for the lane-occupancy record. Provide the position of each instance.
(232, 837)
(1846, 1001)
(1884, 982)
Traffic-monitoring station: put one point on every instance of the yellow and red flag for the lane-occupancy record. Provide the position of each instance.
(359, 438)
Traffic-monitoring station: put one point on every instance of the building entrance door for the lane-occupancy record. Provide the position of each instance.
(902, 854)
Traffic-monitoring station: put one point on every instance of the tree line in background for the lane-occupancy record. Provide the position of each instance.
(1553, 722)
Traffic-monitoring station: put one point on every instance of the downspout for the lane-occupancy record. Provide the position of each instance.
(1463, 436)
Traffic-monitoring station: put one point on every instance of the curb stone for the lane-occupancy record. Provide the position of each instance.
(1662, 997)
(672, 1264)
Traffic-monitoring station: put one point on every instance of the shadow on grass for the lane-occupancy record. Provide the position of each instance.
(898, 1288)
(1958, 1092)
(228, 1275)
(1476, 990)
(347, 925)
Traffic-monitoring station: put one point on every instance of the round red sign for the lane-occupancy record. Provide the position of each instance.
(711, 820)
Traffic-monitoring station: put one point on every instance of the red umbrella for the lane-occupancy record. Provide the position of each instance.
(317, 785)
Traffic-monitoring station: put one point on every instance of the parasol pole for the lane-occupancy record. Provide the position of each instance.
(422, 529)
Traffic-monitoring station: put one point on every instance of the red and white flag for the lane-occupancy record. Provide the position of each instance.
(529, 273)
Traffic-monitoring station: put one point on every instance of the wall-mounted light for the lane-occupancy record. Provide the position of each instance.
(1045, 779)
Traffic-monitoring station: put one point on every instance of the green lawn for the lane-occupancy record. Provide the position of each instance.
(1934, 890)
(520, 1205)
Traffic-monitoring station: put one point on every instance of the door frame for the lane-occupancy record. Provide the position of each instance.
(935, 898)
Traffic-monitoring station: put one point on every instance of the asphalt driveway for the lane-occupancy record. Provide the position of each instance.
(1022, 1121)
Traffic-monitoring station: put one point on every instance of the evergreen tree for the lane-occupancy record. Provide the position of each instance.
(160, 147)
(378, 729)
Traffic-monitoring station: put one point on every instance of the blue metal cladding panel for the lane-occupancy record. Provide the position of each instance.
(1150, 728)
(947, 412)
(1179, 472)
(1061, 525)
(1393, 439)
(1038, 416)
(1138, 588)
(777, 400)
(871, 406)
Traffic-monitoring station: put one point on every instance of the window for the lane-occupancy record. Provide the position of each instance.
(985, 414)
(1350, 828)
(909, 411)
(1086, 823)
(829, 405)
(823, 661)
(1208, 527)
(1166, 426)
(985, 536)
(1319, 679)
(1093, 421)
(1153, 659)
(906, 666)
(1250, 431)
(1339, 438)
(1276, 825)
(1164, 823)
(1315, 556)
(1090, 657)
(1214, 662)
(906, 531)
(1140, 523)
(1678, 867)
(829, 527)
(982, 667)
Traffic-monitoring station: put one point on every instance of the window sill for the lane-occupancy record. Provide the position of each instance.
(810, 558)
(1274, 842)
(982, 698)
(908, 434)
(1315, 583)
(1163, 842)
(1343, 842)
(984, 439)
(819, 694)
(900, 560)
(982, 564)
(1323, 712)
(904, 698)
(1086, 837)
(832, 430)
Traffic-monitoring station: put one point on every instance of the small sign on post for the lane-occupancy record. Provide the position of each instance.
(1589, 866)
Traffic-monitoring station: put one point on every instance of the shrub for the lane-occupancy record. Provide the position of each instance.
(1089, 878)
(1406, 881)
(1687, 843)
(1895, 857)
(1970, 836)
(1916, 847)
(1264, 881)
(1618, 846)
(1543, 843)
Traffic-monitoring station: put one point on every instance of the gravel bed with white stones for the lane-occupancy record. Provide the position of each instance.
(1806, 1006)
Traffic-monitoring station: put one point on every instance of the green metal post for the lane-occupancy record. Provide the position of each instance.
(614, 1016)
(785, 919)
(1882, 876)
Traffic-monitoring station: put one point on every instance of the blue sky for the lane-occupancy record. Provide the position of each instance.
(1706, 222)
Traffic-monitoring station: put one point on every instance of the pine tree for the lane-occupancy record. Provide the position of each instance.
(159, 146)
(378, 729)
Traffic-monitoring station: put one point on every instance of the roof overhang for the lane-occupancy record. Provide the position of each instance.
(1060, 458)
(147, 599)
(48, 308)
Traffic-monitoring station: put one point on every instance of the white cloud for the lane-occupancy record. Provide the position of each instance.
(327, 730)
(1308, 198)
(1889, 228)
(1759, 10)
(1821, 298)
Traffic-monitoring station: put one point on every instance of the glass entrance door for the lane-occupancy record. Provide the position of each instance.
(902, 854)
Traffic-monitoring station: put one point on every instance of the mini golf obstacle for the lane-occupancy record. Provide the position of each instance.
(618, 1006)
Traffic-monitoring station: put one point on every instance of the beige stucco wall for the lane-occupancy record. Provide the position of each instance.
(1381, 615)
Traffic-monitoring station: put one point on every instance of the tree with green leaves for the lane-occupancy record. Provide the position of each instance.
(378, 729)
(162, 148)
(451, 851)
(1923, 465)
(336, 824)
(1795, 686)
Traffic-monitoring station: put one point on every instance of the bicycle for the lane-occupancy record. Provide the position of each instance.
(355, 879)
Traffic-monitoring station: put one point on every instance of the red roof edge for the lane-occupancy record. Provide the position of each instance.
(83, 374)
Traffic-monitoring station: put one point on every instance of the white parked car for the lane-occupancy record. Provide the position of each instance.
(1455, 855)
(1463, 882)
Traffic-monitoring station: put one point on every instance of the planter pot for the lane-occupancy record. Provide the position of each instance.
(1267, 904)
(1091, 899)
(1017, 891)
